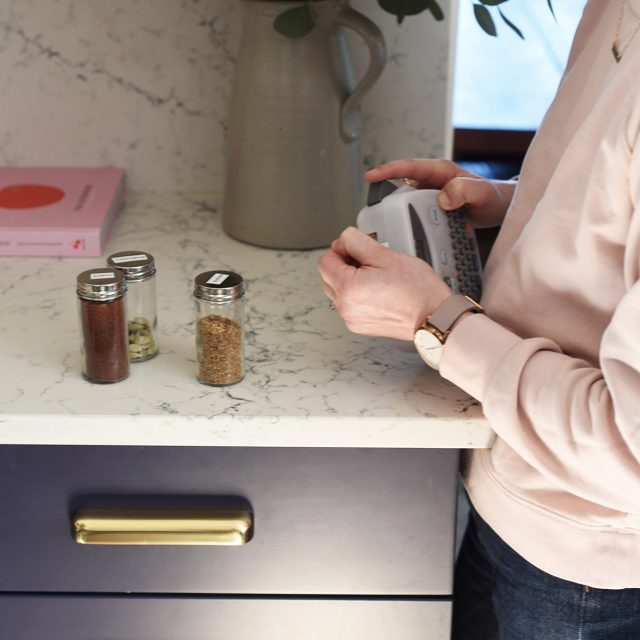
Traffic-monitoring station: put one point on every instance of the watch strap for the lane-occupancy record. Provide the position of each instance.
(448, 311)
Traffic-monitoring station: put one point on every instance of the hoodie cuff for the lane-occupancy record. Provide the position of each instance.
(473, 350)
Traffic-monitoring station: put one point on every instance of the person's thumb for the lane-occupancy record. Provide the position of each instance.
(463, 191)
(358, 246)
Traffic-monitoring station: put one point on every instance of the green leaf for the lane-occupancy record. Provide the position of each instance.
(402, 8)
(436, 10)
(553, 13)
(510, 24)
(296, 23)
(493, 3)
(484, 19)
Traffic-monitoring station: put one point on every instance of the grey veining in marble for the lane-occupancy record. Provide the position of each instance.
(145, 85)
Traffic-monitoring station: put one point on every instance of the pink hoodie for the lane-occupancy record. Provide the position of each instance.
(556, 360)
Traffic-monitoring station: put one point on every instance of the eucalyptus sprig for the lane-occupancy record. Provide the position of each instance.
(484, 18)
(299, 21)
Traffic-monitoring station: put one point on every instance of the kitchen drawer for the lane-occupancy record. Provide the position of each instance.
(326, 521)
(144, 618)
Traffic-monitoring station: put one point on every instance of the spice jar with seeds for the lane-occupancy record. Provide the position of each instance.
(219, 327)
(139, 270)
(101, 307)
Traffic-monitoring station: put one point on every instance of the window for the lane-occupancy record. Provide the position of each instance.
(505, 82)
(503, 85)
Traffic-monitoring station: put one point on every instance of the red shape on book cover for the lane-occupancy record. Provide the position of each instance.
(58, 211)
(29, 196)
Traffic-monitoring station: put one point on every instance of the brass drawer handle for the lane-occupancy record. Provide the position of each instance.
(163, 526)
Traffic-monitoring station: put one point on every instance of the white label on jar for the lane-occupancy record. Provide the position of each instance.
(135, 258)
(103, 275)
(217, 278)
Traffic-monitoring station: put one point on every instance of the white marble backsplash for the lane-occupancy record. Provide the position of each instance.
(145, 85)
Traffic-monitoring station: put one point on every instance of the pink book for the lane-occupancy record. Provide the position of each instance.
(58, 211)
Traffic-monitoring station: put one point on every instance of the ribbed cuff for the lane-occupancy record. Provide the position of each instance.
(473, 350)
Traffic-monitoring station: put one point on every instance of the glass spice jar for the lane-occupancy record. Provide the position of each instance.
(101, 308)
(139, 270)
(219, 332)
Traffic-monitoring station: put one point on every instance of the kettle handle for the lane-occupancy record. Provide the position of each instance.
(371, 34)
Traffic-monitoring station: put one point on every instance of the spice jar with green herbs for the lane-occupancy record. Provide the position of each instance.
(139, 270)
(101, 307)
(219, 299)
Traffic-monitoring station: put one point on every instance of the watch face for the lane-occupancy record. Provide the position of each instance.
(429, 347)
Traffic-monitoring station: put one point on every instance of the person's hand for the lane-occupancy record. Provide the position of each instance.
(377, 291)
(486, 201)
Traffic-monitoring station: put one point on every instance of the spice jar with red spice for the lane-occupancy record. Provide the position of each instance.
(103, 322)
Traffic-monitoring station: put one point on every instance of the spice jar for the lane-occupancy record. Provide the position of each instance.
(101, 307)
(139, 270)
(219, 332)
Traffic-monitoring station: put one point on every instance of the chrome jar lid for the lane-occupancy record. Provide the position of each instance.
(219, 286)
(135, 265)
(102, 284)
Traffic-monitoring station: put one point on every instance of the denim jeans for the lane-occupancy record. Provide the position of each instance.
(498, 595)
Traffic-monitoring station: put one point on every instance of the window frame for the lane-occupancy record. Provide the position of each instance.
(490, 144)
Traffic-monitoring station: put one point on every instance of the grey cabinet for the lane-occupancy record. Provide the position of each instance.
(357, 540)
(148, 618)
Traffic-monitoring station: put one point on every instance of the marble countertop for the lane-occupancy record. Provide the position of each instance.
(309, 382)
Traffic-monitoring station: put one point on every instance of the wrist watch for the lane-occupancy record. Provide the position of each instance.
(432, 334)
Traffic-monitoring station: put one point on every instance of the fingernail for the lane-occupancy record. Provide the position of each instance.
(443, 200)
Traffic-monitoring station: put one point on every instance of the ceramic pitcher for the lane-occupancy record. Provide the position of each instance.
(294, 175)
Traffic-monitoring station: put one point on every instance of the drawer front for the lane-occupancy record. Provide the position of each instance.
(126, 618)
(326, 521)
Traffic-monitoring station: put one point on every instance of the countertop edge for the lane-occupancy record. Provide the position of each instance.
(240, 431)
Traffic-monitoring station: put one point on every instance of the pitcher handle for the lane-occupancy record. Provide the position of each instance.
(371, 34)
